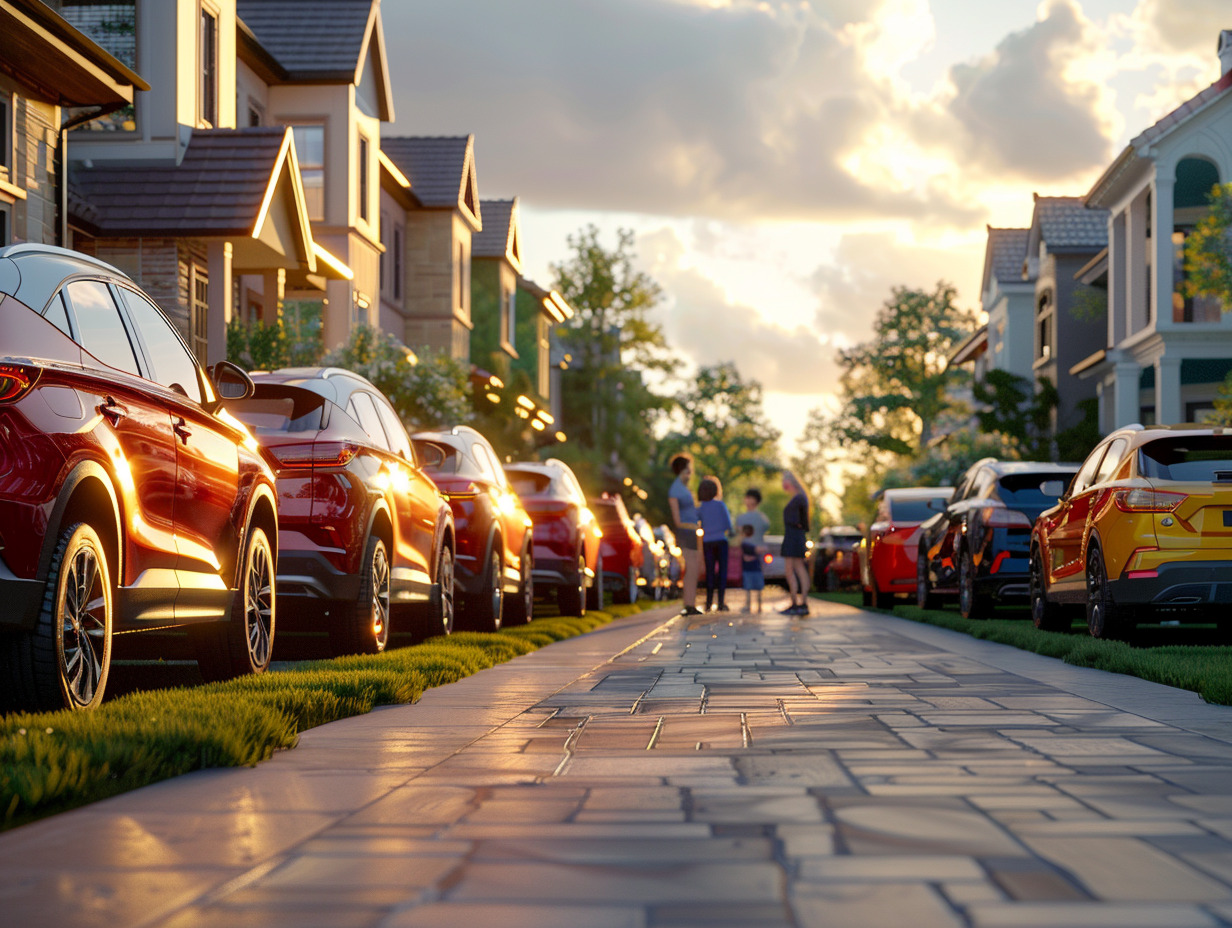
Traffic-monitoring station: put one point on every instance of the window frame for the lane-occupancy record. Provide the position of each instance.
(208, 84)
(138, 354)
(363, 192)
(8, 136)
(151, 365)
(307, 167)
(1119, 446)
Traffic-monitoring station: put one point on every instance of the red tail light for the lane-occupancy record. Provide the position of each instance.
(1142, 500)
(315, 454)
(15, 382)
(999, 517)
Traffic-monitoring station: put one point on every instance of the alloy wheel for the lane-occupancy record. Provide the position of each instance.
(259, 602)
(380, 597)
(83, 626)
(444, 576)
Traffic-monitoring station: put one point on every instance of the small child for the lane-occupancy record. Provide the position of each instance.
(754, 579)
(715, 525)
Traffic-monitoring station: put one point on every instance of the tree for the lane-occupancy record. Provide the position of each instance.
(1013, 409)
(1208, 250)
(608, 410)
(896, 387)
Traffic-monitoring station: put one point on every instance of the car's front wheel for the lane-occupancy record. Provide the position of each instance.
(571, 599)
(484, 612)
(522, 607)
(594, 596)
(363, 626)
(243, 644)
(971, 603)
(925, 598)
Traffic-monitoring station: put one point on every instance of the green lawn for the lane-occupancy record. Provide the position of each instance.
(53, 761)
(1205, 669)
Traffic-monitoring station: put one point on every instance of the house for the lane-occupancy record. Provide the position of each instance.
(1004, 341)
(46, 67)
(170, 190)
(430, 190)
(1164, 354)
(1068, 318)
(496, 265)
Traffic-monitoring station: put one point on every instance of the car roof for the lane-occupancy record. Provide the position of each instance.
(917, 492)
(1140, 435)
(1008, 468)
(841, 530)
(549, 467)
(33, 273)
(333, 383)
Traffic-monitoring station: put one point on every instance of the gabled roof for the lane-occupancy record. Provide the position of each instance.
(500, 237)
(316, 41)
(1102, 190)
(553, 303)
(441, 170)
(1004, 254)
(1064, 224)
(240, 183)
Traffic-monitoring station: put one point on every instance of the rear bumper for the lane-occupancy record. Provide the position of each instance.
(554, 571)
(308, 575)
(1181, 585)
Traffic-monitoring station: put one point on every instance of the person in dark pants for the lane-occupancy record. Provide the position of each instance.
(795, 547)
(684, 522)
(716, 524)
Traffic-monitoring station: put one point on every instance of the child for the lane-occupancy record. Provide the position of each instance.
(751, 571)
(715, 525)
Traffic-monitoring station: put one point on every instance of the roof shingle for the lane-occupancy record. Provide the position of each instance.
(310, 38)
(493, 241)
(1007, 248)
(435, 166)
(1065, 223)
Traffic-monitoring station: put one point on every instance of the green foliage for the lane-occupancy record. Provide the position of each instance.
(896, 387)
(53, 761)
(1208, 250)
(433, 393)
(293, 339)
(1089, 304)
(1222, 412)
(1079, 440)
(1012, 408)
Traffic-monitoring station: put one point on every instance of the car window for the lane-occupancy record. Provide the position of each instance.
(572, 486)
(57, 315)
(174, 367)
(363, 411)
(485, 454)
(912, 510)
(1112, 460)
(528, 483)
(1019, 491)
(985, 483)
(1196, 457)
(99, 326)
(394, 429)
(277, 408)
(1087, 472)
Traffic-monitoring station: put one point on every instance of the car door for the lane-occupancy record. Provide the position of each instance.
(207, 485)
(1069, 524)
(141, 446)
(943, 555)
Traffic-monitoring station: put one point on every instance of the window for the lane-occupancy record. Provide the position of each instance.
(199, 309)
(6, 136)
(310, 152)
(100, 329)
(397, 269)
(174, 367)
(6, 236)
(113, 26)
(57, 315)
(1112, 460)
(384, 252)
(256, 114)
(362, 169)
(362, 409)
(1044, 325)
(207, 93)
(394, 429)
(1086, 475)
(509, 321)
(457, 274)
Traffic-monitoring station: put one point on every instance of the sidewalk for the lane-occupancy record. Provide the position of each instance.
(848, 769)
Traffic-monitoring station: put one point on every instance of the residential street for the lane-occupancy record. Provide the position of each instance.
(847, 769)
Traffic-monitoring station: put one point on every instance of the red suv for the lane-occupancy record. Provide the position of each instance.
(566, 536)
(367, 540)
(621, 552)
(494, 567)
(129, 499)
(889, 564)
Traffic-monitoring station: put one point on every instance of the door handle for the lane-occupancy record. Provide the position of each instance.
(182, 430)
(112, 410)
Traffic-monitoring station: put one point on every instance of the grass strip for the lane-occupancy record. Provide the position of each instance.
(54, 761)
(1204, 669)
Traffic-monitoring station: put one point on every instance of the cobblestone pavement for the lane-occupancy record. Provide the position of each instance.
(846, 769)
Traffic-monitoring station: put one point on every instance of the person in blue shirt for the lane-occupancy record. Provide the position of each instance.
(753, 576)
(716, 525)
(684, 523)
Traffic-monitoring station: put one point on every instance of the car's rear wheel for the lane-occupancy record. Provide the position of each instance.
(363, 627)
(485, 611)
(1104, 619)
(243, 643)
(925, 598)
(445, 578)
(631, 590)
(971, 603)
(1045, 614)
(522, 607)
(594, 596)
(879, 598)
(571, 598)
(866, 596)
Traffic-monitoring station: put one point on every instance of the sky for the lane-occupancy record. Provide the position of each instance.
(785, 164)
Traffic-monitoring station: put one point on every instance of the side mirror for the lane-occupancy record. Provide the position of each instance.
(1053, 488)
(231, 381)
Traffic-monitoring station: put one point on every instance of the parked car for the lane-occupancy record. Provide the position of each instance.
(651, 573)
(977, 549)
(671, 561)
(129, 499)
(835, 562)
(1144, 532)
(566, 536)
(493, 530)
(888, 554)
(621, 553)
(368, 542)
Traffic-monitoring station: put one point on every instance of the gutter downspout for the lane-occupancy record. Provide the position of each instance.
(62, 175)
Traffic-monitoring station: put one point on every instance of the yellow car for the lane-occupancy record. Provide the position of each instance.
(1144, 534)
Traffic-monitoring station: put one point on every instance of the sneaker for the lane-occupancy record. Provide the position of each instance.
(790, 610)
(690, 610)
(723, 607)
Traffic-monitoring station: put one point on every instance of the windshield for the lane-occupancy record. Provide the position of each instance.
(1205, 458)
(273, 409)
(528, 483)
(1022, 491)
(914, 510)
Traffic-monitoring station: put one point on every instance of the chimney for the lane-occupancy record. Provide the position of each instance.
(1224, 48)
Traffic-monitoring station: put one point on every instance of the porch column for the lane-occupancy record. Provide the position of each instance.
(1117, 280)
(1137, 300)
(218, 257)
(1168, 391)
(1163, 280)
(273, 292)
(1127, 376)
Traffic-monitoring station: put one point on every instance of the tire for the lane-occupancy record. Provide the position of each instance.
(362, 627)
(925, 598)
(1047, 616)
(521, 608)
(866, 596)
(879, 599)
(572, 599)
(64, 661)
(484, 612)
(1104, 619)
(594, 596)
(243, 643)
(971, 605)
(443, 621)
(631, 591)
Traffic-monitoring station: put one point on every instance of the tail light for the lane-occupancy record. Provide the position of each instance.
(315, 454)
(1000, 517)
(15, 382)
(768, 558)
(1143, 500)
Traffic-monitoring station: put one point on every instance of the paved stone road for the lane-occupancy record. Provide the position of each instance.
(848, 769)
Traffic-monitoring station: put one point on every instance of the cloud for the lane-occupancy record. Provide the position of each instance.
(1189, 28)
(666, 107)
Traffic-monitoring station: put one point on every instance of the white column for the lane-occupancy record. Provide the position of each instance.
(1162, 283)
(1128, 407)
(1117, 280)
(1168, 409)
(1136, 296)
(219, 266)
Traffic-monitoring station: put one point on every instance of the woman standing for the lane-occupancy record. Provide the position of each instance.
(795, 529)
(684, 521)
